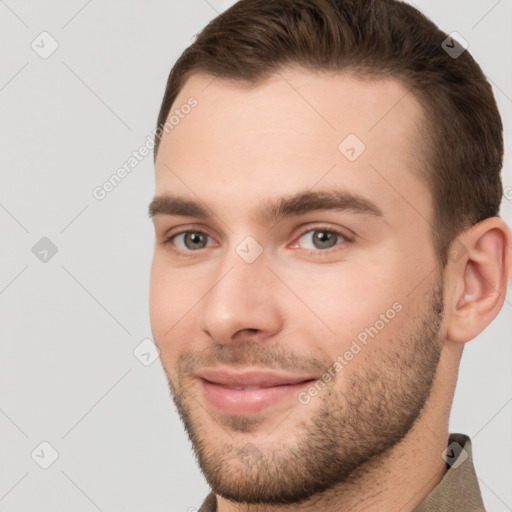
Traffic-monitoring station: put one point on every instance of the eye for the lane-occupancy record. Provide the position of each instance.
(191, 240)
(318, 239)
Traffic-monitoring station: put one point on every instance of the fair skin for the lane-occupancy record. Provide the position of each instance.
(302, 302)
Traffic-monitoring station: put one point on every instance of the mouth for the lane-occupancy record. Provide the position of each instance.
(248, 392)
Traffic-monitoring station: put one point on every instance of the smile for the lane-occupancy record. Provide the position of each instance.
(248, 392)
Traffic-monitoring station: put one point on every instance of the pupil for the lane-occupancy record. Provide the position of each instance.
(324, 239)
(194, 240)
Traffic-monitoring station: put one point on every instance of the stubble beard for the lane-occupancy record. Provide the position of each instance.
(346, 428)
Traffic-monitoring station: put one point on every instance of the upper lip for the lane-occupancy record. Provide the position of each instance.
(259, 378)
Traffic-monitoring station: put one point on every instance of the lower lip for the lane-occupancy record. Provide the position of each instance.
(248, 401)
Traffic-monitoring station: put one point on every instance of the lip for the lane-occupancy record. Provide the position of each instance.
(262, 389)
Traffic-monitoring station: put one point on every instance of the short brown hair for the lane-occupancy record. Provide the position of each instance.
(463, 140)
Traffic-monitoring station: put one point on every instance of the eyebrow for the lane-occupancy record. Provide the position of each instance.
(273, 210)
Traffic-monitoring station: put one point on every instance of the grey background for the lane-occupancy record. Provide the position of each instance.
(69, 325)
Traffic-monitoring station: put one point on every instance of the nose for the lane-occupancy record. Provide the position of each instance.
(243, 302)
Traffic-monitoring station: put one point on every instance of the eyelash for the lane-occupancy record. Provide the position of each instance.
(169, 239)
(347, 239)
(336, 232)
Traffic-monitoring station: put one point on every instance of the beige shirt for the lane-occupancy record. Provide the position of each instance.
(458, 491)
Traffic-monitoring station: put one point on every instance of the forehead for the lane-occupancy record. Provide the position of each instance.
(296, 130)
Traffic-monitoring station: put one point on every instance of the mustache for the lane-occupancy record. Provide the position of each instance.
(257, 354)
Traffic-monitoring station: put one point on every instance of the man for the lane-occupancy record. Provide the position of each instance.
(327, 240)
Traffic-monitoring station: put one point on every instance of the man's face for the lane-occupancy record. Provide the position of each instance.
(298, 304)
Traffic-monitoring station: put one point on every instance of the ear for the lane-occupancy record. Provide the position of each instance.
(479, 268)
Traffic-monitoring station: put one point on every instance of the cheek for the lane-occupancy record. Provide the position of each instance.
(340, 305)
(349, 294)
(171, 308)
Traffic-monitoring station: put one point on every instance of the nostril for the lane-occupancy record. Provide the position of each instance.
(247, 333)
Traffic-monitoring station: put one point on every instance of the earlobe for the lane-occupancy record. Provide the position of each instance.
(479, 279)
